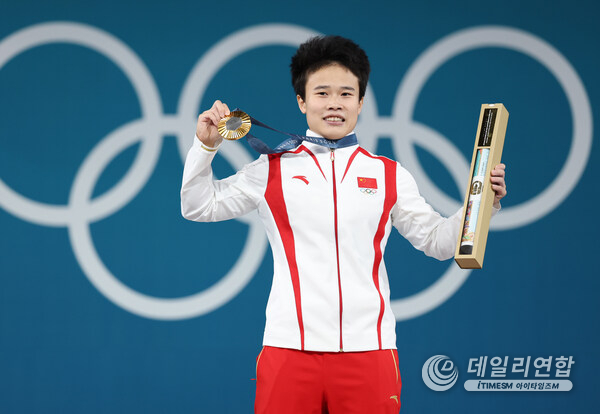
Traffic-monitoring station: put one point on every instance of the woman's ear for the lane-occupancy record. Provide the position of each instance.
(301, 104)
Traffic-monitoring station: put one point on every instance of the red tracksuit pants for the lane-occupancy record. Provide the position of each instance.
(289, 381)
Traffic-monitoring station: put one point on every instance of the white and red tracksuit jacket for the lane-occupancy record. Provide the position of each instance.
(328, 215)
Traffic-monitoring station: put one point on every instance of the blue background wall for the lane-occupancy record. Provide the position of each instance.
(86, 166)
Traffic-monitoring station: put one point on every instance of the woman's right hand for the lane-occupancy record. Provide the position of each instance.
(206, 129)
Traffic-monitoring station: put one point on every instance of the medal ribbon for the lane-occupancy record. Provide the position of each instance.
(294, 140)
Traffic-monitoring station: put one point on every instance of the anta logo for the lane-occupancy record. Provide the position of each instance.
(367, 185)
(301, 178)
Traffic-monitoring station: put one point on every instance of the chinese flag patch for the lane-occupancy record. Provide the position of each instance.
(364, 182)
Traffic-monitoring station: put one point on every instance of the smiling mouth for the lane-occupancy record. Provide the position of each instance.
(334, 119)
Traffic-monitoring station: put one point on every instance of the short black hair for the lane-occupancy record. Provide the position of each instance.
(321, 51)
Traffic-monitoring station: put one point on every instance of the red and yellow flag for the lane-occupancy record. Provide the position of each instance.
(365, 182)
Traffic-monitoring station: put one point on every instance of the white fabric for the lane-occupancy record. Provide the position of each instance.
(311, 213)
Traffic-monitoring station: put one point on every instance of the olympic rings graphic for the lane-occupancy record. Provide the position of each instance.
(369, 191)
(153, 125)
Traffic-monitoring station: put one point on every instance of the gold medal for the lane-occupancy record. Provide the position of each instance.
(234, 126)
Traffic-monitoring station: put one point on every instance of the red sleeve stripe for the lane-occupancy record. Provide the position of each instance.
(276, 202)
(390, 200)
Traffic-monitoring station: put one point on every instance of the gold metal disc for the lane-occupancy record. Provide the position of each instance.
(235, 125)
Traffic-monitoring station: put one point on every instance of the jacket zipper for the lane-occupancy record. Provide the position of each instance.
(337, 249)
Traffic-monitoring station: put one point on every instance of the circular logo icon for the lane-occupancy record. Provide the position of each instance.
(436, 378)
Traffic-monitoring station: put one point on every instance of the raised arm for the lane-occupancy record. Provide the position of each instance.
(206, 199)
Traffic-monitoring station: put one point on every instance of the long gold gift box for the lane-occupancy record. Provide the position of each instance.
(477, 209)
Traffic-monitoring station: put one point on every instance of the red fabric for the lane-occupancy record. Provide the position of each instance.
(276, 202)
(390, 200)
(289, 381)
(274, 197)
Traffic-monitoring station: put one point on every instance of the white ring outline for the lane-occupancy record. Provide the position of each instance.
(135, 302)
(570, 174)
(417, 75)
(81, 211)
(526, 43)
(135, 70)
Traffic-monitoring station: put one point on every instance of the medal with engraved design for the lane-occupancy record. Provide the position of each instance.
(235, 125)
